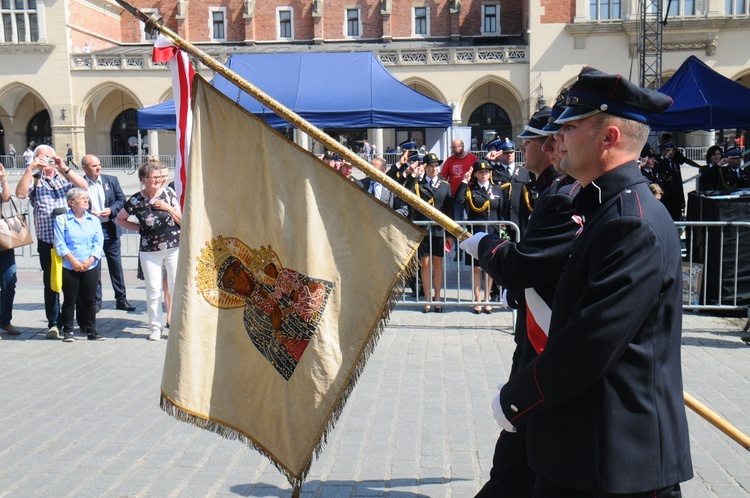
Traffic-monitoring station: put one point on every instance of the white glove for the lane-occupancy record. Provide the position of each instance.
(497, 412)
(471, 245)
(505, 298)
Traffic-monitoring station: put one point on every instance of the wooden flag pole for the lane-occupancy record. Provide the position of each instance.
(156, 23)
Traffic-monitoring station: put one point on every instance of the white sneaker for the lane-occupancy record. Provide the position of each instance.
(155, 334)
(53, 333)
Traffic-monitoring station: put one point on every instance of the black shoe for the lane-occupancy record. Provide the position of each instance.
(98, 306)
(94, 337)
(68, 337)
(125, 306)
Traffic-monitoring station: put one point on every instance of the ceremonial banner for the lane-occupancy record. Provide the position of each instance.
(287, 271)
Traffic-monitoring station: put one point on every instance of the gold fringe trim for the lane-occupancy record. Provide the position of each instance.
(233, 433)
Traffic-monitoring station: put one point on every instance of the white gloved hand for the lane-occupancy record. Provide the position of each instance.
(497, 412)
(505, 298)
(471, 245)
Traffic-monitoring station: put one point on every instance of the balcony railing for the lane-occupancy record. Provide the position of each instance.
(499, 54)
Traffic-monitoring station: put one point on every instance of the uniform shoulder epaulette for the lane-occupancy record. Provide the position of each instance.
(630, 204)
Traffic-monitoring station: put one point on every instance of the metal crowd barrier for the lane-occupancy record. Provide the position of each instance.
(458, 279)
(716, 265)
(127, 164)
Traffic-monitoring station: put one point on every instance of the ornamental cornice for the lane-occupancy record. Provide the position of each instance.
(25, 48)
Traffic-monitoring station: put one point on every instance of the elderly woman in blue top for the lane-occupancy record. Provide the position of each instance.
(78, 241)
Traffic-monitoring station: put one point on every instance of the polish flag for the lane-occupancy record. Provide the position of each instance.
(182, 79)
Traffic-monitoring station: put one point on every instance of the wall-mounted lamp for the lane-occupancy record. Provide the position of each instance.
(62, 114)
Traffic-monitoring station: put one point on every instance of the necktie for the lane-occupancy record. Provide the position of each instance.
(484, 189)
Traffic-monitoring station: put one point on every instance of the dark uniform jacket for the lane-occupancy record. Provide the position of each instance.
(727, 178)
(440, 198)
(603, 402)
(518, 194)
(668, 170)
(534, 262)
(652, 175)
(480, 206)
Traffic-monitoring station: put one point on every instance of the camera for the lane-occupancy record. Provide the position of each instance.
(58, 211)
(51, 161)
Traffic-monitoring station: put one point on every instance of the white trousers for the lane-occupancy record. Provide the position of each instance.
(151, 262)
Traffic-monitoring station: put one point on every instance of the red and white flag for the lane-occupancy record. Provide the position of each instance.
(182, 80)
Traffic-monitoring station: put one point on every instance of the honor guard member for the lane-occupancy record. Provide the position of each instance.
(603, 402)
(733, 176)
(648, 165)
(668, 169)
(514, 180)
(483, 201)
(424, 180)
(530, 268)
(408, 151)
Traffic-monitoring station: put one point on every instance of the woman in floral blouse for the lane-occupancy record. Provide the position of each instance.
(157, 210)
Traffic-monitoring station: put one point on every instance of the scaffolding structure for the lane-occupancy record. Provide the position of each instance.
(650, 39)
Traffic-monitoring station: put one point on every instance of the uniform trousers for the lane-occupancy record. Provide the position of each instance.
(546, 489)
(510, 476)
(152, 262)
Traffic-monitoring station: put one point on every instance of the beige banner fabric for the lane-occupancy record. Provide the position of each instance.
(287, 272)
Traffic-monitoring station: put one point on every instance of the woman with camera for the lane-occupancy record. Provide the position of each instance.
(46, 181)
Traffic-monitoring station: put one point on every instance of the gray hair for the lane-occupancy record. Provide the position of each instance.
(75, 193)
(42, 147)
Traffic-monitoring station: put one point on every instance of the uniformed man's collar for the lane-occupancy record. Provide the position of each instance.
(546, 178)
(607, 186)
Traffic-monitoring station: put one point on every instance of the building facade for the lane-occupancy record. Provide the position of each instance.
(75, 71)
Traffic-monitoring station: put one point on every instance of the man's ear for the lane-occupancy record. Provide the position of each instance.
(612, 137)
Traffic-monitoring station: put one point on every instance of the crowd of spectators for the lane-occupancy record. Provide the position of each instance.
(78, 222)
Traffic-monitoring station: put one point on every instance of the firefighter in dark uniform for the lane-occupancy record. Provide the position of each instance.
(514, 180)
(603, 402)
(732, 175)
(668, 169)
(423, 178)
(532, 266)
(483, 201)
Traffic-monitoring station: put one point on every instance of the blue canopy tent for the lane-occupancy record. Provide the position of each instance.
(703, 100)
(330, 90)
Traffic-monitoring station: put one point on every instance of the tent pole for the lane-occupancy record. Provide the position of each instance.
(156, 23)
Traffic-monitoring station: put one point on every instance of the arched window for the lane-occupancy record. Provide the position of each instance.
(488, 122)
(40, 129)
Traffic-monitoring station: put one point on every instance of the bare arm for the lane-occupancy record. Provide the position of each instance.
(4, 184)
(122, 220)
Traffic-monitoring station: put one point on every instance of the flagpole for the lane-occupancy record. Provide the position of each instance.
(156, 23)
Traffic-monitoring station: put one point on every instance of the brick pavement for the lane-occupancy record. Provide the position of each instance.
(83, 419)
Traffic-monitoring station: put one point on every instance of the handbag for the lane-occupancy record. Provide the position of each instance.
(14, 230)
(55, 271)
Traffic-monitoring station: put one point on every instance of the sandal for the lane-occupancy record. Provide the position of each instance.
(477, 310)
(488, 310)
(427, 309)
(438, 309)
